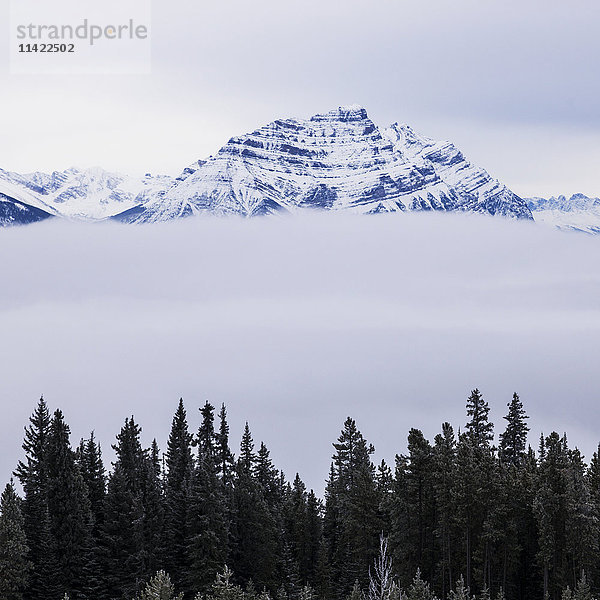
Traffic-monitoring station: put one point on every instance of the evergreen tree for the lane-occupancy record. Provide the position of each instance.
(419, 589)
(179, 470)
(89, 459)
(224, 589)
(303, 530)
(208, 511)
(593, 481)
(461, 592)
(32, 472)
(224, 455)
(160, 588)
(444, 477)
(14, 566)
(352, 520)
(479, 429)
(133, 521)
(550, 511)
(69, 514)
(420, 502)
(513, 442)
(582, 531)
(254, 528)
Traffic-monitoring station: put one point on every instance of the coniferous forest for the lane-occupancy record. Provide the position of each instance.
(465, 515)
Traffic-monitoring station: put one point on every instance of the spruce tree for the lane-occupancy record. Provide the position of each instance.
(254, 528)
(208, 510)
(179, 469)
(133, 518)
(69, 514)
(89, 458)
(479, 429)
(550, 511)
(14, 565)
(224, 589)
(224, 455)
(32, 472)
(160, 588)
(420, 502)
(444, 478)
(352, 519)
(513, 442)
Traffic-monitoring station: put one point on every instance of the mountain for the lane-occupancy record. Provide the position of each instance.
(575, 213)
(89, 194)
(339, 160)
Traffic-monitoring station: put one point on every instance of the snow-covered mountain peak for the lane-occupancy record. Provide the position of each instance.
(88, 194)
(338, 160)
(577, 212)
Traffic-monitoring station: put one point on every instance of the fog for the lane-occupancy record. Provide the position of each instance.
(297, 323)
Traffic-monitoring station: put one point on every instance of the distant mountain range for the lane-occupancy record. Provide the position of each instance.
(575, 213)
(337, 161)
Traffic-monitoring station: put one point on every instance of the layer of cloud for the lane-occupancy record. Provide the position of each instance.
(296, 324)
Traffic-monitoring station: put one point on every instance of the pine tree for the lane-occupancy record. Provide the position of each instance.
(224, 455)
(69, 513)
(224, 589)
(352, 520)
(179, 470)
(550, 512)
(461, 592)
(479, 429)
(474, 498)
(14, 566)
(513, 442)
(420, 502)
(303, 530)
(91, 467)
(582, 527)
(444, 478)
(32, 472)
(254, 529)
(208, 514)
(593, 480)
(160, 588)
(89, 458)
(133, 521)
(419, 589)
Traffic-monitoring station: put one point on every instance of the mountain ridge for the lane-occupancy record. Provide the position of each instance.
(339, 160)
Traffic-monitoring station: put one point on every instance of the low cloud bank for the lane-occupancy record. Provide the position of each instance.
(297, 323)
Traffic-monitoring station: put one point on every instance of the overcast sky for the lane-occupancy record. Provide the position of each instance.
(514, 84)
(296, 324)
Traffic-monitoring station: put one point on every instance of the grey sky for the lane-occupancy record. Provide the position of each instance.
(296, 324)
(513, 83)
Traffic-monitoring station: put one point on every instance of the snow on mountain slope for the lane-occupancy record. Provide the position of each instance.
(13, 189)
(89, 194)
(575, 213)
(15, 212)
(476, 190)
(339, 160)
